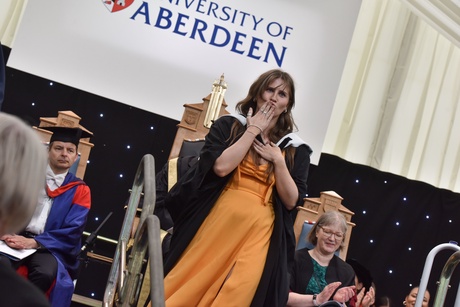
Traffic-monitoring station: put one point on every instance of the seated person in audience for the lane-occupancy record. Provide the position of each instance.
(365, 288)
(57, 225)
(317, 271)
(22, 167)
(411, 297)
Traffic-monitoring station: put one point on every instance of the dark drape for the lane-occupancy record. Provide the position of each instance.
(398, 222)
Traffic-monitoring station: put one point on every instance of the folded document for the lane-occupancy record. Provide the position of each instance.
(15, 254)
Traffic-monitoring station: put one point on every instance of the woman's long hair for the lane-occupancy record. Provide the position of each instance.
(285, 123)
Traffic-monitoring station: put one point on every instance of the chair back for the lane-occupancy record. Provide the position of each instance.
(74, 167)
(303, 237)
(191, 147)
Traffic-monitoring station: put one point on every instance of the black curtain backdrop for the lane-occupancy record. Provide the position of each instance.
(398, 221)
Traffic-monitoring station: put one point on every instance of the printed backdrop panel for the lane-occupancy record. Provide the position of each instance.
(159, 54)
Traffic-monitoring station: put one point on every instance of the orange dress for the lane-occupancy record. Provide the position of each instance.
(223, 263)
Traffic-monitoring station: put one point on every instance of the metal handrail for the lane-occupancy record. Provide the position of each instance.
(157, 296)
(445, 275)
(149, 233)
(144, 181)
(445, 278)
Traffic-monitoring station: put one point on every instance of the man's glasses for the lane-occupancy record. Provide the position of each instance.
(329, 233)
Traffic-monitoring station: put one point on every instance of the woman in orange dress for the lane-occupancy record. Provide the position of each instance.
(233, 237)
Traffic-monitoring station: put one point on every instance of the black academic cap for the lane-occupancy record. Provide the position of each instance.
(361, 272)
(67, 134)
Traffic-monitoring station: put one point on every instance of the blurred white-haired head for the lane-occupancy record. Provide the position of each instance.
(23, 161)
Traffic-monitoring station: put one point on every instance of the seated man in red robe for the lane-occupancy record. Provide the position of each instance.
(57, 225)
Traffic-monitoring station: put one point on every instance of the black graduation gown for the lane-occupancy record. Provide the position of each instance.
(192, 198)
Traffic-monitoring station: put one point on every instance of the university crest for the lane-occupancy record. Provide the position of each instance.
(117, 5)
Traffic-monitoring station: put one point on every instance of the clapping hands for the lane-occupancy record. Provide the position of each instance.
(342, 295)
(365, 299)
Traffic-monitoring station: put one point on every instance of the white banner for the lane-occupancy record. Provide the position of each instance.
(157, 55)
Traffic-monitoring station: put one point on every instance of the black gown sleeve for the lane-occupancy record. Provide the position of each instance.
(194, 195)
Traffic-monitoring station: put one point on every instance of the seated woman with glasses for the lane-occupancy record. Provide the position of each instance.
(318, 275)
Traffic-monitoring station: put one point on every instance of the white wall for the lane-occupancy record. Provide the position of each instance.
(139, 57)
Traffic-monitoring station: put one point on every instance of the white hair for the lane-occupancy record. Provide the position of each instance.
(23, 161)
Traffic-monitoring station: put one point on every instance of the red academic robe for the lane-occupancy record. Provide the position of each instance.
(63, 232)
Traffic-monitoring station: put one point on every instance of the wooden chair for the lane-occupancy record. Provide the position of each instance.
(313, 208)
(192, 126)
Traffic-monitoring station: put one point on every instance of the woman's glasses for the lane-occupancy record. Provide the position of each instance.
(329, 233)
